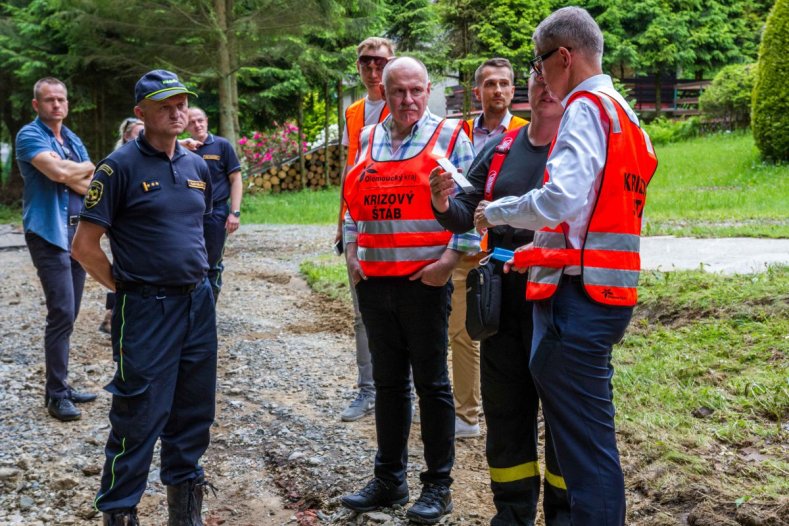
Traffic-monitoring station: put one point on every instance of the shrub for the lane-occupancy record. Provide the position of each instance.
(770, 118)
(663, 130)
(271, 147)
(728, 98)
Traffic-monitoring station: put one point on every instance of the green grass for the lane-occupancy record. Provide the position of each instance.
(701, 383)
(307, 207)
(9, 214)
(702, 379)
(716, 186)
(326, 276)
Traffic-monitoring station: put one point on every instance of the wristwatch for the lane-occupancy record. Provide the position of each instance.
(237, 213)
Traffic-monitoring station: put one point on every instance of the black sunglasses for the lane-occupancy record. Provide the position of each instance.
(535, 64)
(366, 60)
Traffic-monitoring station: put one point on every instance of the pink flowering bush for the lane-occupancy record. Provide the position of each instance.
(272, 147)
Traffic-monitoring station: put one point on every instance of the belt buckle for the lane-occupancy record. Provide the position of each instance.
(73, 220)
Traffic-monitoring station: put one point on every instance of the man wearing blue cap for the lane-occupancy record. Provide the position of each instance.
(150, 197)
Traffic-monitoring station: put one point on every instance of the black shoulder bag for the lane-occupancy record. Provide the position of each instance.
(483, 284)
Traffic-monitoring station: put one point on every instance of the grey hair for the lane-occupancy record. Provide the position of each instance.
(399, 62)
(571, 27)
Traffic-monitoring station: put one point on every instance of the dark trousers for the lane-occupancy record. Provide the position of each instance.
(571, 366)
(215, 237)
(62, 279)
(511, 405)
(164, 387)
(406, 325)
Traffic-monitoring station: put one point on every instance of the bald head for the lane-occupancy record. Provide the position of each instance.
(404, 64)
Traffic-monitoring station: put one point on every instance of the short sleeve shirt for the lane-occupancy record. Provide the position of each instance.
(152, 207)
(45, 203)
(221, 158)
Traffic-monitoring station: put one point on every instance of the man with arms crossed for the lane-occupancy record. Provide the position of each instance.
(56, 170)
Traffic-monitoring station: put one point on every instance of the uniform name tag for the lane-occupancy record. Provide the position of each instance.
(211, 157)
(149, 186)
(200, 185)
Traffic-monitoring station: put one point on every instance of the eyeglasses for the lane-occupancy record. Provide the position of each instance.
(535, 64)
(366, 60)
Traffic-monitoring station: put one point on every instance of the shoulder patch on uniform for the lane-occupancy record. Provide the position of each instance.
(200, 185)
(95, 192)
(211, 157)
(106, 169)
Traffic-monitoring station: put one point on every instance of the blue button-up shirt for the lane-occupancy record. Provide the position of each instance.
(45, 202)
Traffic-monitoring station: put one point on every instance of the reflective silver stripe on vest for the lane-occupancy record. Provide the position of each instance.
(648, 142)
(401, 254)
(545, 275)
(399, 227)
(445, 136)
(543, 239)
(608, 104)
(612, 241)
(610, 277)
(618, 98)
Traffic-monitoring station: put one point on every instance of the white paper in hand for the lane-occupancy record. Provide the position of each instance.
(458, 177)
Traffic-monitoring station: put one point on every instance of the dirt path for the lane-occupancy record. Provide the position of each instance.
(279, 453)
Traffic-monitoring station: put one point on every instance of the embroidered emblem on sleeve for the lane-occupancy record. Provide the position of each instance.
(95, 192)
(106, 169)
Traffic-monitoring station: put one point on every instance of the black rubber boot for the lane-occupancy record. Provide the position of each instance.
(121, 518)
(185, 502)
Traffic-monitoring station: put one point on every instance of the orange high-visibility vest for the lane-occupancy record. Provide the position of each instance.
(390, 203)
(354, 120)
(515, 123)
(609, 258)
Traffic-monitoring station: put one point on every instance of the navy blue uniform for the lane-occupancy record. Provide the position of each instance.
(222, 161)
(164, 325)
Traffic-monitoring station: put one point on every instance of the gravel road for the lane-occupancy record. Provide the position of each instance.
(279, 453)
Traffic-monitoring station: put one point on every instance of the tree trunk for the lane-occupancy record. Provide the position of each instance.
(340, 124)
(327, 112)
(228, 105)
(300, 123)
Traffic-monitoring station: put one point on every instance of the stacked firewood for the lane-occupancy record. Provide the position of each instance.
(287, 177)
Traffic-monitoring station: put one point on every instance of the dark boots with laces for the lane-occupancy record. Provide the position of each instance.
(185, 502)
(121, 518)
(434, 502)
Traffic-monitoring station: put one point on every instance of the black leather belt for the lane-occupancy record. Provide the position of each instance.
(148, 289)
(73, 220)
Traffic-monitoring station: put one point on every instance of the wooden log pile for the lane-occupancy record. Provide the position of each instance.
(286, 177)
